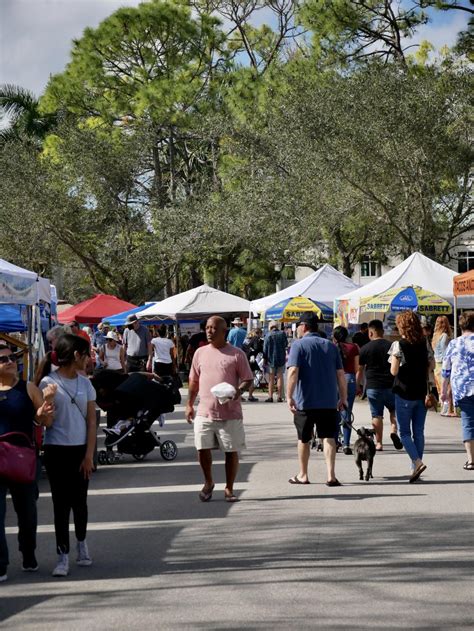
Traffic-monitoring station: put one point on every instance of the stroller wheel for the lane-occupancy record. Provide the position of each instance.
(139, 456)
(102, 457)
(110, 457)
(168, 450)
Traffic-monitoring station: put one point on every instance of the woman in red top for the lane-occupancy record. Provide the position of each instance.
(350, 361)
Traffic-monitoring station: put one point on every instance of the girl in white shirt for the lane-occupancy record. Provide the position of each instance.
(69, 444)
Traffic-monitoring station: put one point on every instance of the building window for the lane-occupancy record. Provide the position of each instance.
(465, 261)
(368, 267)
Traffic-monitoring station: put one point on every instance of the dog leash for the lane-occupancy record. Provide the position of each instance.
(349, 424)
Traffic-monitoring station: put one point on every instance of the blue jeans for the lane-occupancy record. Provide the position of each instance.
(351, 395)
(411, 417)
(467, 418)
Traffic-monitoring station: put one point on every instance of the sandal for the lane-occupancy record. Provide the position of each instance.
(269, 400)
(231, 498)
(416, 474)
(295, 480)
(379, 447)
(397, 443)
(333, 483)
(469, 466)
(205, 496)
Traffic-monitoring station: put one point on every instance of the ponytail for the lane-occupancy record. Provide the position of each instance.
(340, 334)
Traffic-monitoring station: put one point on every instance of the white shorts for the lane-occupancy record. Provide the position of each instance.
(227, 436)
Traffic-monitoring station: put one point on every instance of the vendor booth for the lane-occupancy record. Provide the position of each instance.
(323, 286)
(120, 319)
(415, 271)
(463, 287)
(92, 311)
(199, 302)
(25, 307)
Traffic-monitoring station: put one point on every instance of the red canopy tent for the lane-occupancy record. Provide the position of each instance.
(93, 310)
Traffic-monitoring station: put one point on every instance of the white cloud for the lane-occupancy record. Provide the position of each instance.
(443, 31)
(36, 35)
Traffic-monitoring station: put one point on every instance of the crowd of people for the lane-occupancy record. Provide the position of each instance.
(319, 377)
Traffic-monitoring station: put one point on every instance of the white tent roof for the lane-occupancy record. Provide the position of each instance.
(200, 301)
(417, 269)
(17, 285)
(44, 289)
(324, 285)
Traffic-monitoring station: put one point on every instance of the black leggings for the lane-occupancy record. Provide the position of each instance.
(69, 491)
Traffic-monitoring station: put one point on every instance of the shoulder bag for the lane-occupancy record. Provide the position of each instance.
(17, 458)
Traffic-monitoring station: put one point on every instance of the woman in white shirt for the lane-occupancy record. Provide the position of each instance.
(164, 354)
(112, 355)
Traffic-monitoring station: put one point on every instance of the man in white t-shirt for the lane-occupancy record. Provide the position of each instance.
(164, 359)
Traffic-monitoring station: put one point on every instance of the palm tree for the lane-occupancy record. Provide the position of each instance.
(20, 115)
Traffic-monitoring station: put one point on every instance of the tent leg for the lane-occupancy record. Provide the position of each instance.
(455, 317)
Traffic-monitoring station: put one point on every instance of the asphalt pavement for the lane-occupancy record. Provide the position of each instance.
(383, 554)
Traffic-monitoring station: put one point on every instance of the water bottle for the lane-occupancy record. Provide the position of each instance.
(445, 408)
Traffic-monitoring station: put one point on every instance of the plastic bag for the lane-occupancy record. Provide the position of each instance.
(224, 392)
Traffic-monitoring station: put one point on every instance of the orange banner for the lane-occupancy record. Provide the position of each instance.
(463, 285)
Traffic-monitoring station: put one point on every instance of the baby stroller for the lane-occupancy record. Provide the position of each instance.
(139, 401)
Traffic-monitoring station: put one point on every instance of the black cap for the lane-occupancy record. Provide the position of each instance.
(309, 318)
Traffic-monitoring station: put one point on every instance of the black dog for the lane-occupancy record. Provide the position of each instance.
(364, 449)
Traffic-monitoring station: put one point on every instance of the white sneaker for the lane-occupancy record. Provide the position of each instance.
(62, 568)
(83, 557)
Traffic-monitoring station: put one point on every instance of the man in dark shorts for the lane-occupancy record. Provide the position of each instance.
(316, 390)
(375, 368)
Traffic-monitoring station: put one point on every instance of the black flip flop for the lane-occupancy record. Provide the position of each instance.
(206, 496)
(397, 443)
(333, 483)
(469, 466)
(296, 480)
(416, 474)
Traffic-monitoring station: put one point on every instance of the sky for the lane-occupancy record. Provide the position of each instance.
(36, 35)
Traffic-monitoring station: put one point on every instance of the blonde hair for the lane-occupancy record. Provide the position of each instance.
(441, 326)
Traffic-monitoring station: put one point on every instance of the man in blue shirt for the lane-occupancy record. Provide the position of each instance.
(274, 354)
(237, 334)
(316, 390)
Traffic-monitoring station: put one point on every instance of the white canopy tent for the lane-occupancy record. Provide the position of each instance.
(17, 285)
(417, 269)
(324, 285)
(198, 302)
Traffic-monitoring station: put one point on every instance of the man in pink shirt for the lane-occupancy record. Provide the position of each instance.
(218, 425)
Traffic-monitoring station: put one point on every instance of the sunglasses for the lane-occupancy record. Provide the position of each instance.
(6, 359)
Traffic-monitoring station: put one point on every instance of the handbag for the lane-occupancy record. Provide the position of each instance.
(17, 458)
(431, 402)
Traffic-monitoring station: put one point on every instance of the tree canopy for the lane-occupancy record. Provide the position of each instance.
(222, 141)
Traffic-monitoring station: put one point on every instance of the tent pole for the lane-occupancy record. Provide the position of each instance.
(455, 316)
(176, 334)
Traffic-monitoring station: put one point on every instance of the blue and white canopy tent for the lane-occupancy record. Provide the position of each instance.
(25, 306)
(119, 319)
